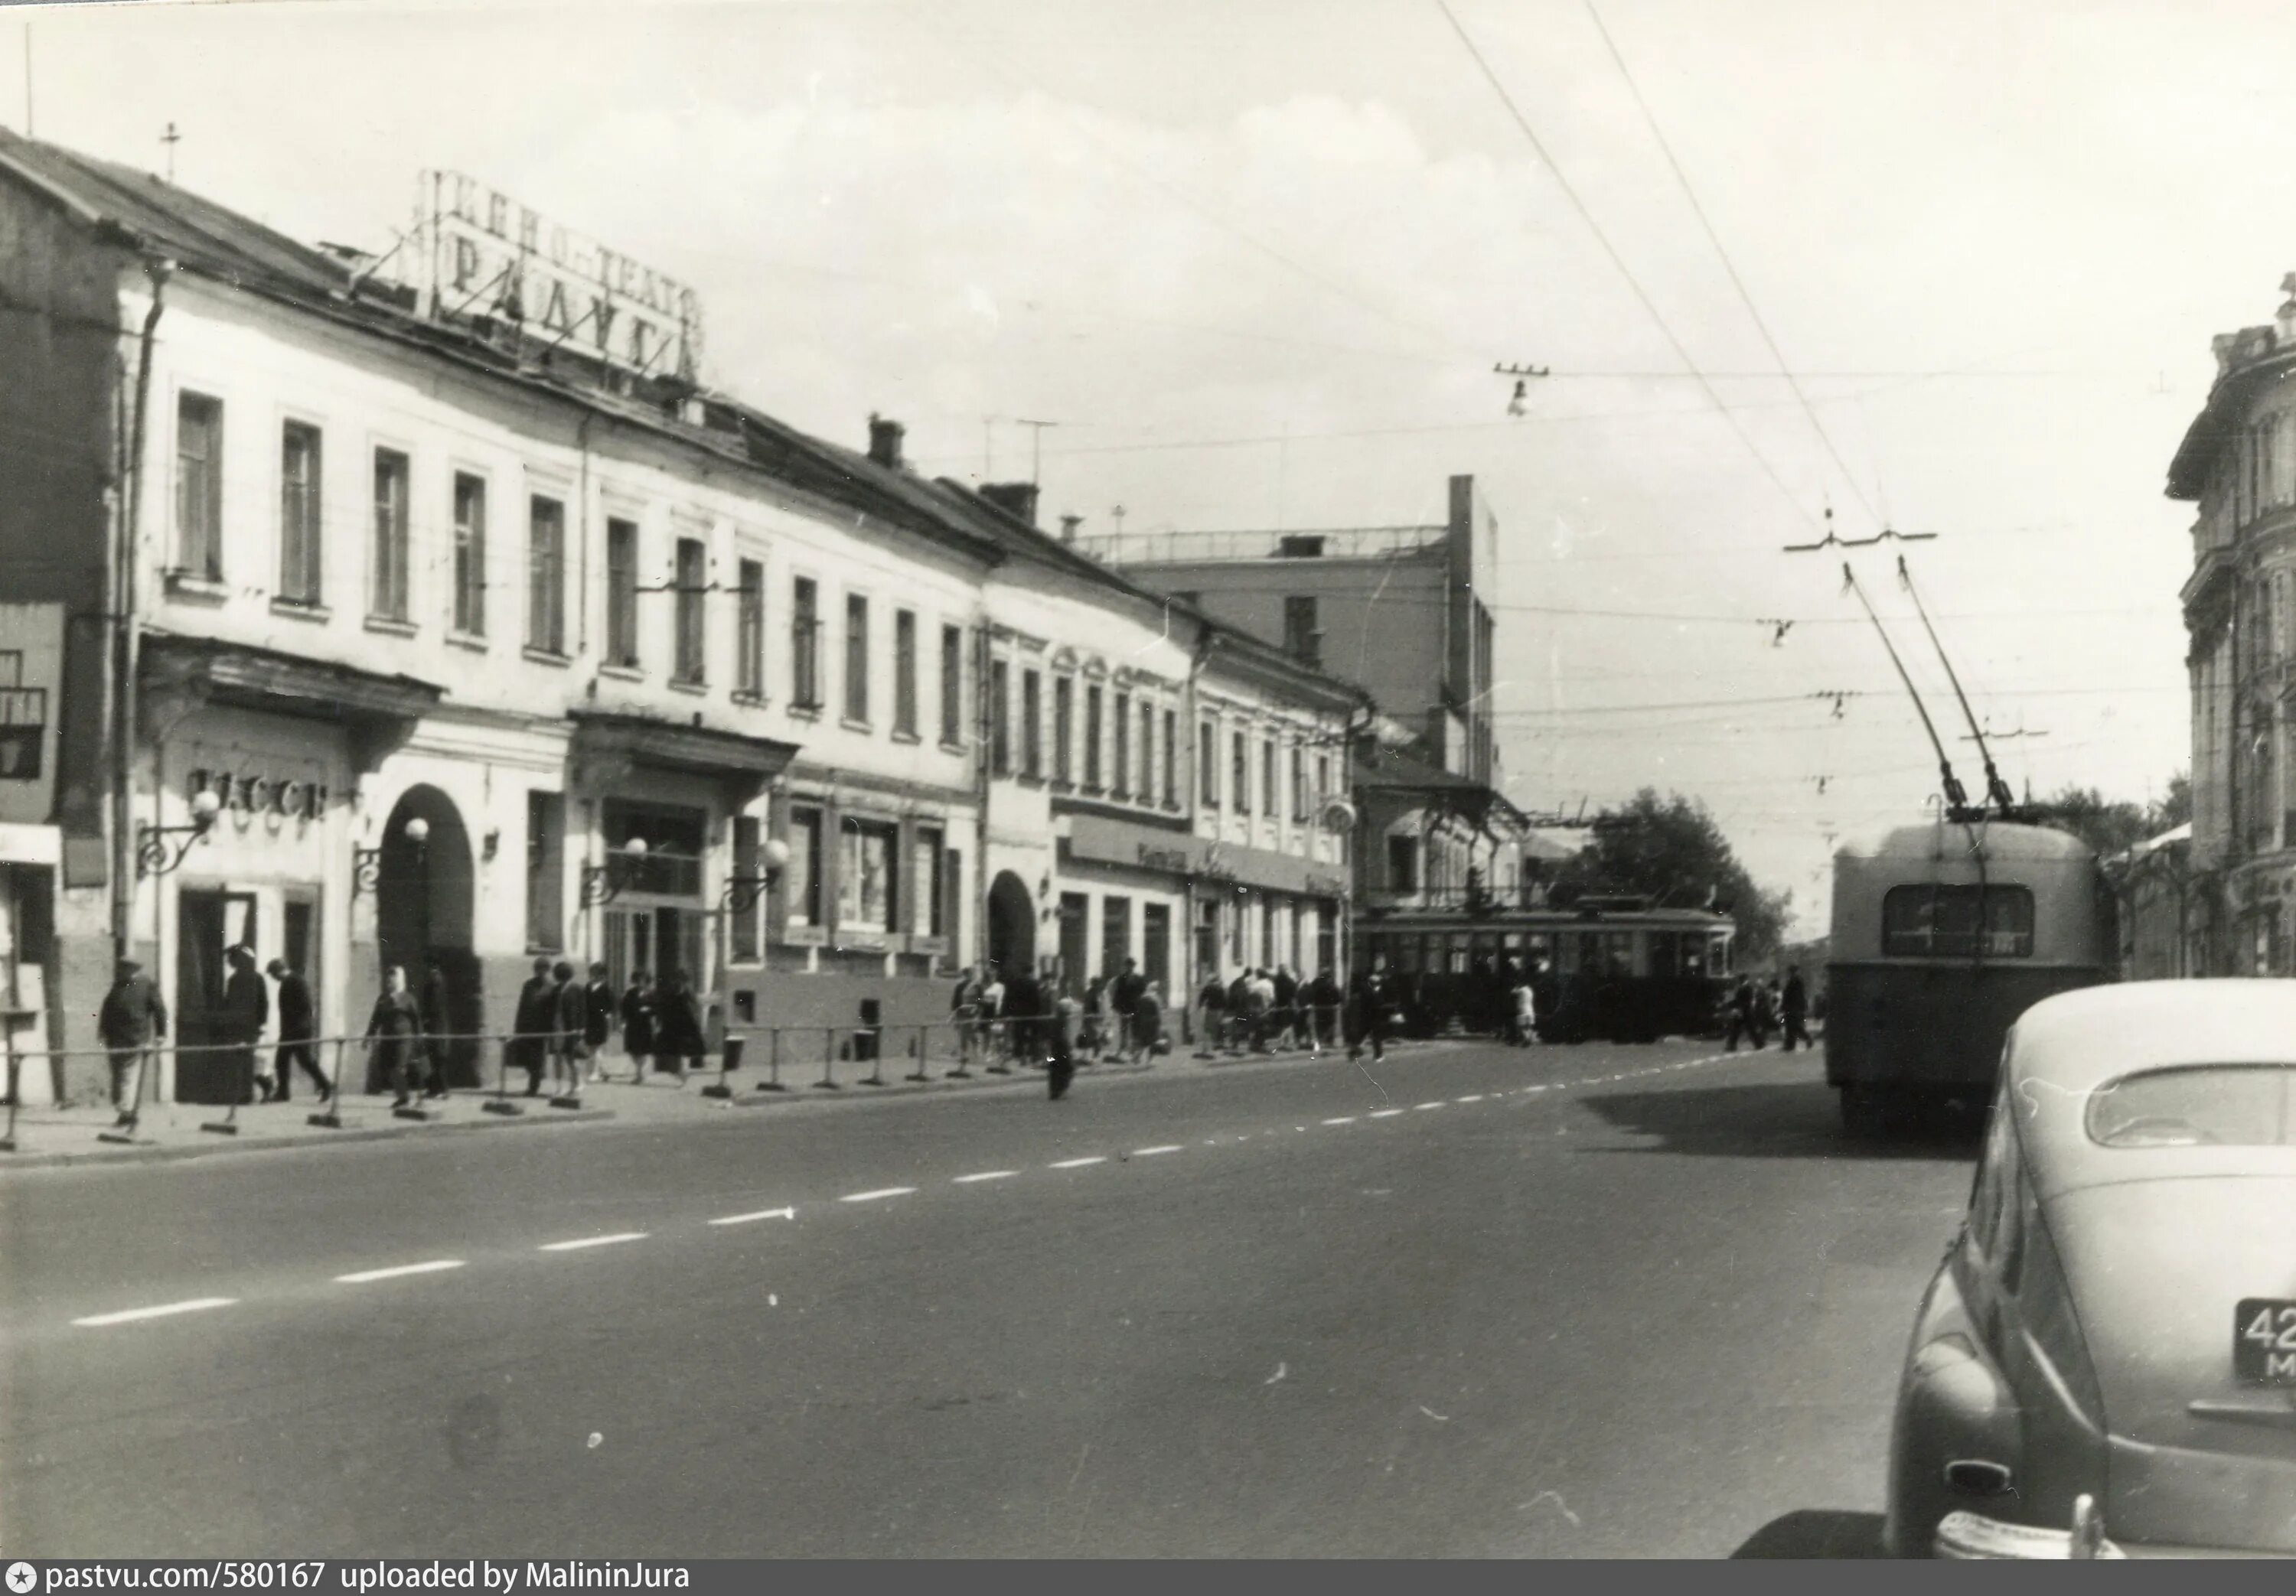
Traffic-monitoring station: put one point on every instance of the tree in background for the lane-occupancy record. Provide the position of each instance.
(1671, 850)
(2113, 826)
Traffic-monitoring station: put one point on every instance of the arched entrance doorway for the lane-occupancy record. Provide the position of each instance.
(1012, 925)
(422, 908)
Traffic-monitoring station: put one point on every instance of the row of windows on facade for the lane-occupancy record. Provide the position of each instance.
(2262, 467)
(199, 518)
(1134, 769)
(878, 892)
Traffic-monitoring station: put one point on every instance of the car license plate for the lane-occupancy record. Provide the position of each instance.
(2264, 1341)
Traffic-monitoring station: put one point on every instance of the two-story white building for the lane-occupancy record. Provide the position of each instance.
(453, 612)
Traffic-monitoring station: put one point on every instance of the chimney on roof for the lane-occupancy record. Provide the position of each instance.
(885, 441)
(1068, 525)
(1015, 499)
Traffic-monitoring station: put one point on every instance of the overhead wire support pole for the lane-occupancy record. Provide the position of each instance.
(1996, 791)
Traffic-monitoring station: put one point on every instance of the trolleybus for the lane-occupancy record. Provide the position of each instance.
(1943, 935)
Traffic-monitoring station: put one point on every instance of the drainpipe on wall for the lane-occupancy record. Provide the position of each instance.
(128, 650)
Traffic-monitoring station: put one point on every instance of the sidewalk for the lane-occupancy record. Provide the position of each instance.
(50, 1137)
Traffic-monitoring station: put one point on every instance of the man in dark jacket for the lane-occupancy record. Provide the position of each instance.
(1322, 1001)
(1740, 1016)
(246, 1011)
(1285, 1019)
(1793, 1008)
(537, 1018)
(298, 1022)
(1372, 1000)
(437, 1007)
(598, 1008)
(1025, 1007)
(1211, 1002)
(571, 1016)
(131, 1018)
(1125, 999)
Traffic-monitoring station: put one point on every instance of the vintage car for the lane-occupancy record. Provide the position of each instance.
(2105, 1363)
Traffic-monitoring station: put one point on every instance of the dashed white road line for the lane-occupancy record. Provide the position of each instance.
(1433, 1105)
(1385, 1113)
(1473, 1097)
(581, 1242)
(1077, 1163)
(1150, 1152)
(1343, 1119)
(874, 1196)
(986, 1174)
(753, 1218)
(195, 1306)
(366, 1275)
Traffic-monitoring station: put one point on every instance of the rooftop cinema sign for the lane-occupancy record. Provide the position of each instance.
(478, 251)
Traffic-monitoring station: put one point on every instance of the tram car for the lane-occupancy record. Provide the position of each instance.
(1610, 969)
(1943, 934)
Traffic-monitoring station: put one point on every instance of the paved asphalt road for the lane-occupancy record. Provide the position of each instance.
(1602, 1301)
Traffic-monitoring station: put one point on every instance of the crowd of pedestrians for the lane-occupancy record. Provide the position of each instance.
(564, 1027)
(1756, 1009)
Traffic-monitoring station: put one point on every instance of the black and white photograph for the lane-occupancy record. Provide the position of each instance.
(1038, 780)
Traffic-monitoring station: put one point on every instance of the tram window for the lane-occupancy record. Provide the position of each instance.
(1619, 952)
(1665, 952)
(1539, 948)
(1459, 952)
(1938, 922)
(1403, 955)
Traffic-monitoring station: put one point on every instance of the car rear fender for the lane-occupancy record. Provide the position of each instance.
(1953, 1405)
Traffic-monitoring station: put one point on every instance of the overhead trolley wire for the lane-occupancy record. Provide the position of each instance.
(1728, 265)
(1618, 260)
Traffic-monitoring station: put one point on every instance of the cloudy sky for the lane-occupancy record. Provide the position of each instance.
(1257, 258)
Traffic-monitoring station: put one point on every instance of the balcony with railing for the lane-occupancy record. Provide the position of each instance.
(1216, 548)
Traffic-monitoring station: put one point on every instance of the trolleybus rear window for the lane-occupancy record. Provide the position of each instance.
(1937, 921)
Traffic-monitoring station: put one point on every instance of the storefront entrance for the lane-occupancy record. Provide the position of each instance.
(206, 924)
(423, 909)
(1012, 926)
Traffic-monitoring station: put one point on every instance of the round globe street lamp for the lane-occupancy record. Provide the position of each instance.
(604, 883)
(156, 856)
(741, 893)
(367, 862)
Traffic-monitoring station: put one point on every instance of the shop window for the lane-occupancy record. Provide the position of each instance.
(864, 877)
(801, 876)
(545, 870)
(929, 910)
(1115, 934)
(742, 923)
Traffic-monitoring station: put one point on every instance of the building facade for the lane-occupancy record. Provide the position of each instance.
(481, 640)
(2237, 465)
(1400, 612)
